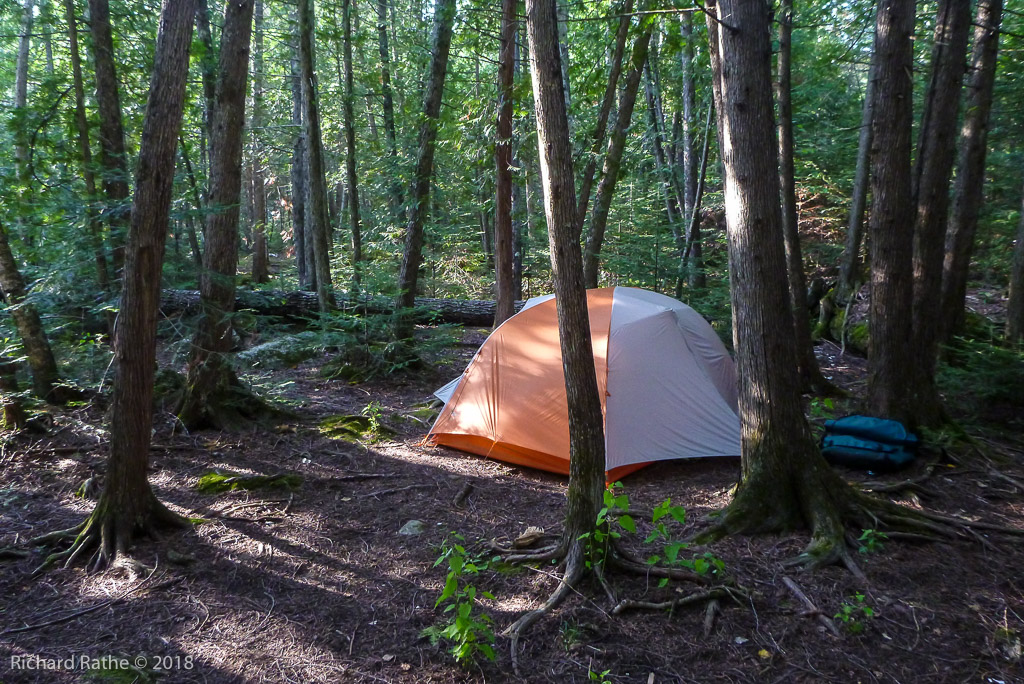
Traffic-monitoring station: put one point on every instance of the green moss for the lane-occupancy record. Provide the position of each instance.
(857, 335)
(282, 352)
(219, 482)
(355, 428)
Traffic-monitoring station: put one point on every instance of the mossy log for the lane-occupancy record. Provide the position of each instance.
(300, 304)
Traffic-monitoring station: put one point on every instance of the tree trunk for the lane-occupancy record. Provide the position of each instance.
(931, 189)
(208, 70)
(692, 176)
(395, 187)
(613, 158)
(298, 177)
(850, 265)
(316, 178)
(970, 177)
(785, 482)
(350, 150)
(127, 505)
(1015, 305)
(412, 256)
(811, 378)
(503, 245)
(193, 239)
(892, 354)
(673, 201)
(211, 380)
(113, 158)
(21, 88)
(82, 126)
(45, 376)
(260, 256)
(586, 434)
(598, 136)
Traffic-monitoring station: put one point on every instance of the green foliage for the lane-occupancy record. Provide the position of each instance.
(703, 564)
(218, 482)
(367, 425)
(871, 541)
(466, 628)
(616, 507)
(599, 677)
(982, 381)
(853, 613)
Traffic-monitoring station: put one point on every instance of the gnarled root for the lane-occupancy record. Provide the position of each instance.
(216, 398)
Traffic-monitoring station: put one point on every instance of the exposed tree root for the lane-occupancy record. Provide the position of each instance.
(713, 594)
(621, 558)
(109, 532)
(217, 399)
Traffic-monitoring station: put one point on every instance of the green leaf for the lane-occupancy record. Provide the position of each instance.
(627, 523)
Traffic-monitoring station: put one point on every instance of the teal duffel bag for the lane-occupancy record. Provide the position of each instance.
(868, 443)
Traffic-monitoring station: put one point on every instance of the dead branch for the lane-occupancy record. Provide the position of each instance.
(709, 594)
(811, 608)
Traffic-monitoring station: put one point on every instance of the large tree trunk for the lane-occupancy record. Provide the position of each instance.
(970, 177)
(811, 378)
(785, 483)
(850, 265)
(211, 382)
(1015, 306)
(395, 187)
(598, 136)
(892, 354)
(350, 150)
(316, 178)
(298, 177)
(613, 158)
(113, 158)
(586, 434)
(935, 154)
(82, 126)
(127, 505)
(503, 246)
(45, 376)
(260, 255)
(412, 256)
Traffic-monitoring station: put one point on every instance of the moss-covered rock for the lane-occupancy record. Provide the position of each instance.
(218, 482)
(355, 428)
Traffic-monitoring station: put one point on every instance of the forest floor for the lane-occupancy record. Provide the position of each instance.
(318, 584)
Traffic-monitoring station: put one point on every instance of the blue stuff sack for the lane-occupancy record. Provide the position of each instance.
(868, 443)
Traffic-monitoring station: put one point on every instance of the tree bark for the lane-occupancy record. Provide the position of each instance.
(45, 376)
(850, 265)
(298, 177)
(890, 388)
(209, 375)
(412, 256)
(613, 158)
(21, 88)
(811, 378)
(785, 482)
(1015, 305)
(208, 70)
(355, 223)
(113, 158)
(503, 246)
(316, 179)
(586, 434)
(970, 177)
(84, 149)
(260, 255)
(692, 176)
(127, 505)
(935, 153)
(600, 127)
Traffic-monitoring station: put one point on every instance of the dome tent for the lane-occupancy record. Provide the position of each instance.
(667, 384)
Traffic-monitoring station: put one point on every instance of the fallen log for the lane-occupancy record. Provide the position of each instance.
(300, 304)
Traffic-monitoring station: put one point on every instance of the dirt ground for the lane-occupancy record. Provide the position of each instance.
(317, 584)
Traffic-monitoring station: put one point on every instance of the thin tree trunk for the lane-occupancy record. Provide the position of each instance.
(350, 150)
(935, 154)
(586, 434)
(127, 505)
(209, 373)
(113, 157)
(298, 176)
(45, 376)
(688, 161)
(260, 255)
(970, 177)
(850, 265)
(598, 136)
(412, 256)
(208, 70)
(82, 126)
(21, 88)
(314, 159)
(811, 378)
(613, 158)
(197, 200)
(691, 257)
(1015, 305)
(892, 353)
(395, 187)
(668, 190)
(503, 243)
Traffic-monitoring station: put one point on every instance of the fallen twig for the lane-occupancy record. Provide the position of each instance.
(382, 492)
(629, 604)
(463, 494)
(811, 608)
